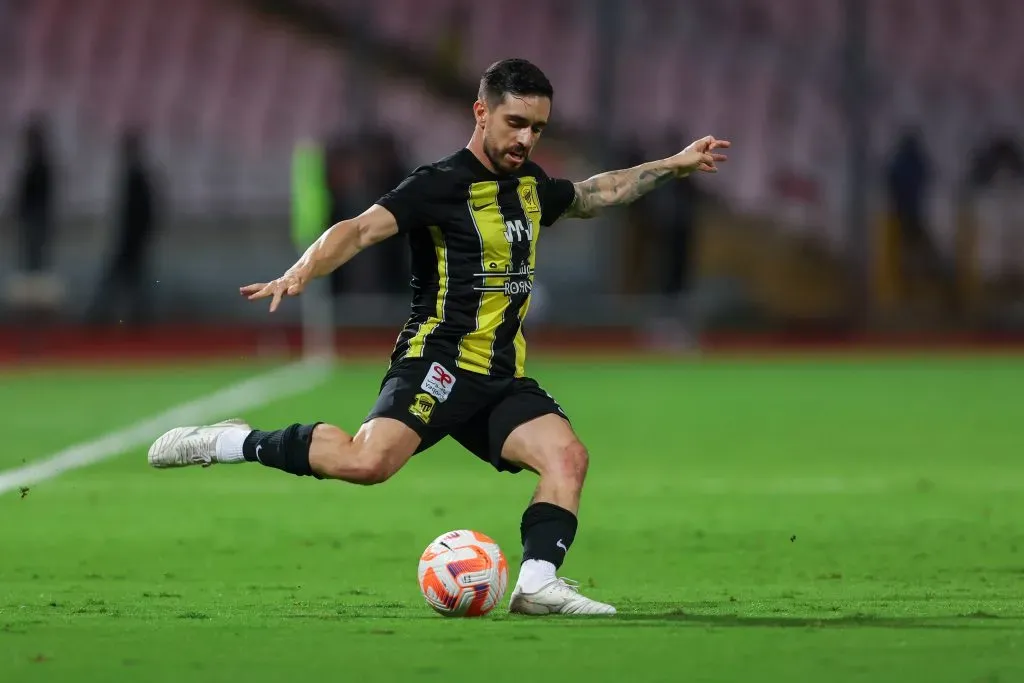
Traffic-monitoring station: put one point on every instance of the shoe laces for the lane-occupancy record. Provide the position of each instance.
(568, 584)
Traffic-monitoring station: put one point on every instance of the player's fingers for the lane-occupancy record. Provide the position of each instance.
(707, 163)
(719, 157)
(295, 289)
(276, 301)
(264, 292)
(709, 143)
(716, 144)
(252, 289)
(699, 146)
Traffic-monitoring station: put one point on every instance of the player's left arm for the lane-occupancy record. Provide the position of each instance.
(617, 188)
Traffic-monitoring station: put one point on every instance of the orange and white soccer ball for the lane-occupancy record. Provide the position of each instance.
(463, 574)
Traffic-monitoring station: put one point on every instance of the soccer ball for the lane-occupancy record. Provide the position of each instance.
(463, 574)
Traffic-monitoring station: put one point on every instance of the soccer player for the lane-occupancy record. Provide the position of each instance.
(472, 221)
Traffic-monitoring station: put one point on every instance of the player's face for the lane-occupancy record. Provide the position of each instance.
(512, 129)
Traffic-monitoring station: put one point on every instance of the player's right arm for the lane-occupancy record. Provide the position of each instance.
(335, 247)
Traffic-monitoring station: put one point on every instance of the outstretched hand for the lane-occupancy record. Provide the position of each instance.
(700, 155)
(289, 284)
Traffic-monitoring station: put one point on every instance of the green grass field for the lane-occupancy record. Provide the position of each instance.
(846, 520)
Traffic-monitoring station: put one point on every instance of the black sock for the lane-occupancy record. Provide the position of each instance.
(547, 531)
(285, 449)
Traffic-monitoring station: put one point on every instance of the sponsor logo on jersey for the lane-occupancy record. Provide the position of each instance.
(515, 281)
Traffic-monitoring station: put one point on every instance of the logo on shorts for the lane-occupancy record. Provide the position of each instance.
(438, 382)
(423, 407)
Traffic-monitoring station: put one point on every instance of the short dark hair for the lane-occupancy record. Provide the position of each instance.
(513, 77)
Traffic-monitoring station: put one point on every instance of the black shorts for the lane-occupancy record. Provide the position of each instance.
(437, 399)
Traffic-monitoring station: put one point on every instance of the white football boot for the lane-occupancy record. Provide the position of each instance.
(197, 445)
(559, 596)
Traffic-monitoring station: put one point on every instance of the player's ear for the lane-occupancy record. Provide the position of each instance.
(480, 112)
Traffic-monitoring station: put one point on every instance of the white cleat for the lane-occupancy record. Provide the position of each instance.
(184, 446)
(560, 596)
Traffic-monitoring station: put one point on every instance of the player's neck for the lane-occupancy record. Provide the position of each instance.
(476, 146)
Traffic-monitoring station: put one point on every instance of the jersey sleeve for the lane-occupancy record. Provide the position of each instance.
(413, 200)
(556, 196)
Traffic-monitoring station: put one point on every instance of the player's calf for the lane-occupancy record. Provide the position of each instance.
(562, 466)
(378, 450)
(548, 446)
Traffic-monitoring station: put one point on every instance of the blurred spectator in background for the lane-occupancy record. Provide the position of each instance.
(996, 187)
(448, 58)
(675, 209)
(124, 290)
(35, 199)
(637, 238)
(35, 291)
(995, 161)
(658, 249)
(909, 178)
(387, 167)
(347, 193)
(359, 171)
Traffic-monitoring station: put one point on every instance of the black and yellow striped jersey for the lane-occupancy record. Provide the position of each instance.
(473, 240)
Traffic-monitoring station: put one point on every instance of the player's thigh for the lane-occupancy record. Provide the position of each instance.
(529, 430)
(424, 398)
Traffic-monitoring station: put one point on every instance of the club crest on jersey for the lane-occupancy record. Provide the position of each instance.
(515, 231)
(528, 195)
(423, 407)
(438, 382)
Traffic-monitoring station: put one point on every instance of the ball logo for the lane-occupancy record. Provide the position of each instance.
(439, 382)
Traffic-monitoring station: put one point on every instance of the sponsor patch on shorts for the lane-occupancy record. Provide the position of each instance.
(438, 382)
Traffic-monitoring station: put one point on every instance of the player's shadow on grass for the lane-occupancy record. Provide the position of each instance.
(950, 622)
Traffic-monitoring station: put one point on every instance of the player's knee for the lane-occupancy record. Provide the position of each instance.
(569, 461)
(371, 472)
(366, 470)
(577, 460)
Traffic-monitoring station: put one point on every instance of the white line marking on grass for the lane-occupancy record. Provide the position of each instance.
(228, 402)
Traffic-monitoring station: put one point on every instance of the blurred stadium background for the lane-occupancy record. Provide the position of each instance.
(808, 518)
(874, 186)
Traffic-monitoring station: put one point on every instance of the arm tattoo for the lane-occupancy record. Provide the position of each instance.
(615, 188)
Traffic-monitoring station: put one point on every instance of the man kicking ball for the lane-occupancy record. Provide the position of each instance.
(472, 221)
